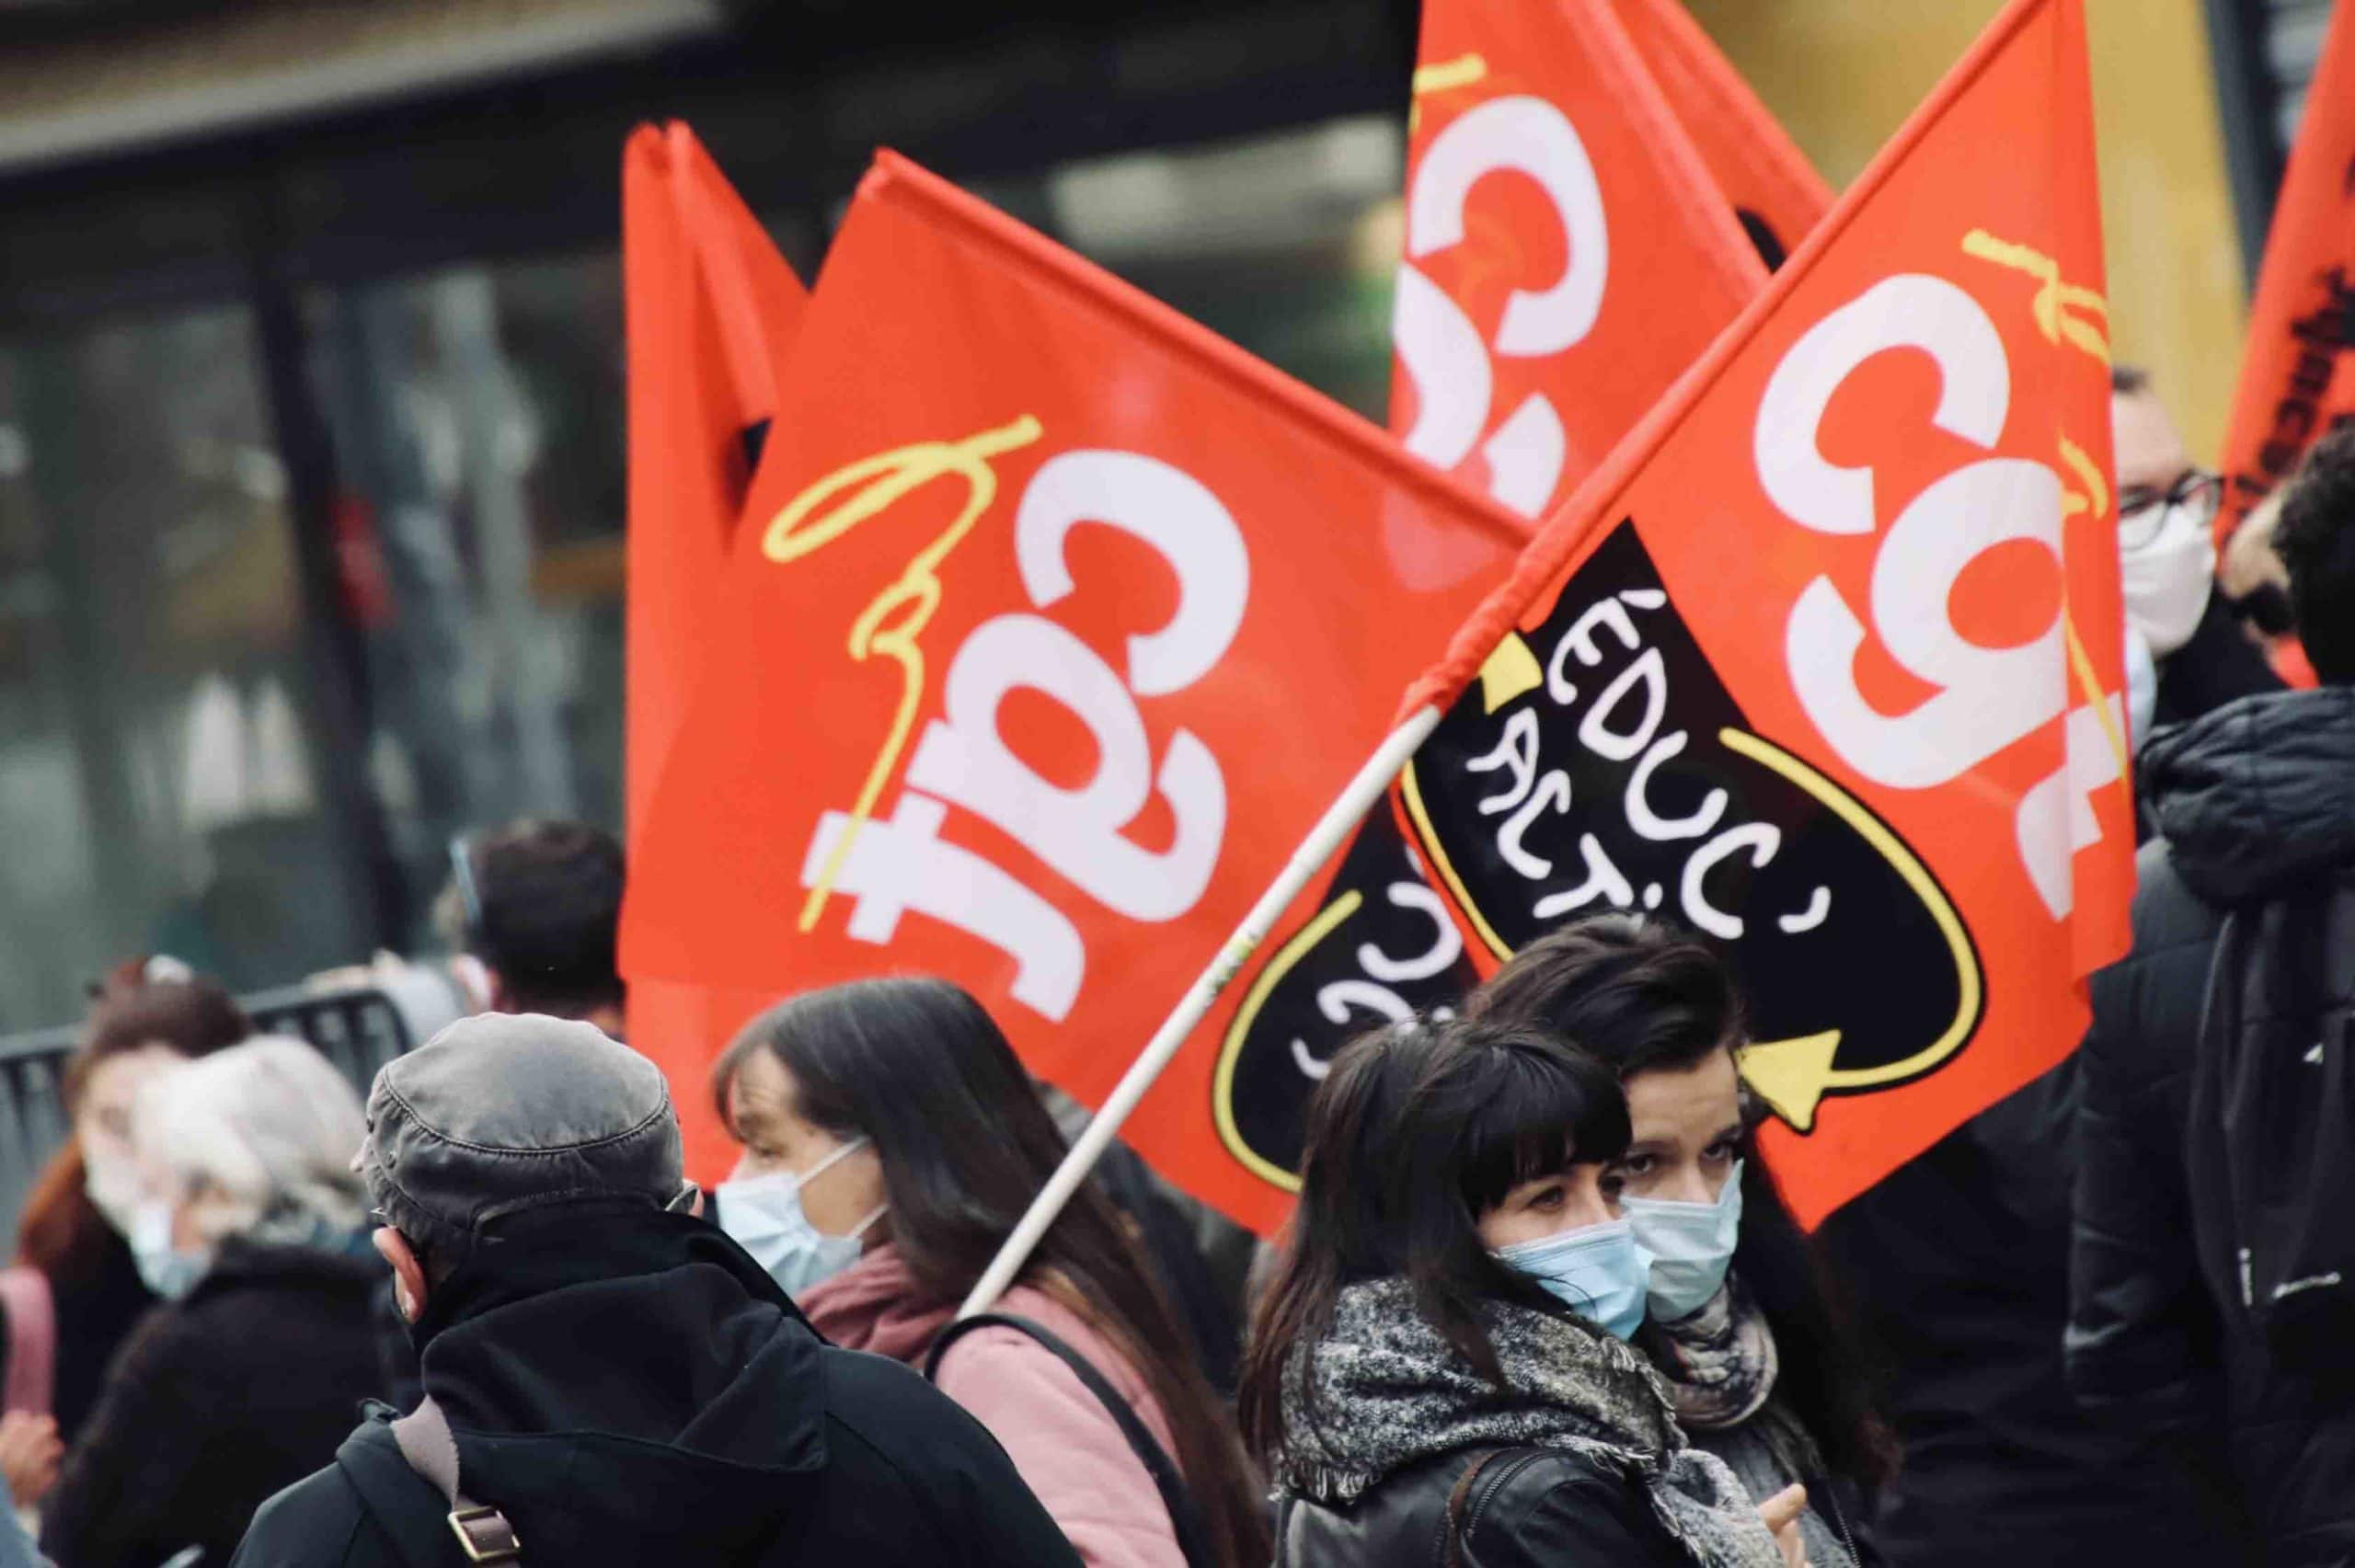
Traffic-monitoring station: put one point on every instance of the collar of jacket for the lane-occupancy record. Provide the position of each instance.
(2258, 795)
(537, 1251)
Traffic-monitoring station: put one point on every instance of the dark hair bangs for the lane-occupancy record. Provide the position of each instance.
(1539, 1108)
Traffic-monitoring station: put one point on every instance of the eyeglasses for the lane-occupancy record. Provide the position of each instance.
(462, 872)
(2143, 509)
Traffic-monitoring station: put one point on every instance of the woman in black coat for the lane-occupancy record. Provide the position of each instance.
(252, 1371)
(1762, 1371)
(1438, 1372)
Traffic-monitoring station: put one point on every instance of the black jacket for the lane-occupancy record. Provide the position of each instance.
(2219, 665)
(216, 1401)
(630, 1388)
(94, 1313)
(1526, 1508)
(1955, 1269)
(2253, 801)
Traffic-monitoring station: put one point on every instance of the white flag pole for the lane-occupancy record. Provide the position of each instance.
(1340, 819)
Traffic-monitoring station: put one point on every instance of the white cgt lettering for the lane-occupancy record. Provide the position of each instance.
(900, 864)
(1909, 311)
(1529, 136)
(1986, 698)
(1442, 349)
(1169, 509)
(962, 757)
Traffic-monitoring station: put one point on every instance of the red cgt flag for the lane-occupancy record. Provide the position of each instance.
(1050, 633)
(711, 312)
(1774, 189)
(2297, 372)
(1823, 662)
(1566, 253)
(1568, 256)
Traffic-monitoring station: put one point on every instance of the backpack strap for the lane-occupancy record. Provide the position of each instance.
(427, 1444)
(1185, 1520)
(30, 1383)
(1459, 1500)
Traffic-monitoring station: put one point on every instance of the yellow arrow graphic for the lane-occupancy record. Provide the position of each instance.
(1793, 1076)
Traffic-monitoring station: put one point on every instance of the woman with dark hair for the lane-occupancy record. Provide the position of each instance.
(1740, 1323)
(77, 1271)
(891, 1143)
(1437, 1371)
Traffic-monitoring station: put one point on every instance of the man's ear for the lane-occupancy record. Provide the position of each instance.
(408, 1273)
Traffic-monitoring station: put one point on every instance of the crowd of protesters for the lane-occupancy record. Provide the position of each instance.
(1541, 1302)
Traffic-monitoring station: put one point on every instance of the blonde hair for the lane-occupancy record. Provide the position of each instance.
(263, 1135)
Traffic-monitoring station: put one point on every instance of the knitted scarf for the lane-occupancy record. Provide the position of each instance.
(1725, 1364)
(1388, 1391)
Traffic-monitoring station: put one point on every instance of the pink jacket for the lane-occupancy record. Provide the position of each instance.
(1061, 1439)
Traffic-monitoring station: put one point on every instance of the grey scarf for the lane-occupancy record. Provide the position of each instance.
(1726, 1363)
(1389, 1390)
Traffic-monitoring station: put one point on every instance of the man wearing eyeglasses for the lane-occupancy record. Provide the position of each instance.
(2186, 652)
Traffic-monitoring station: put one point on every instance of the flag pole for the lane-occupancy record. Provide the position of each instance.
(1340, 821)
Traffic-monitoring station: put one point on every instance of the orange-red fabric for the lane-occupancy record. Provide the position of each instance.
(711, 312)
(1055, 624)
(1881, 511)
(2297, 374)
(1754, 161)
(1568, 254)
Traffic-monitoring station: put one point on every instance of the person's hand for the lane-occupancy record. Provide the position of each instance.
(2248, 562)
(1782, 1513)
(29, 1453)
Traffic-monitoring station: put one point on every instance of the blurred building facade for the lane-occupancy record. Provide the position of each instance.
(312, 468)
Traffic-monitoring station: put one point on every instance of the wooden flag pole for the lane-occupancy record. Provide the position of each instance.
(1331, 831)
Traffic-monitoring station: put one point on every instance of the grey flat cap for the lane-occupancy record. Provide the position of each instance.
(507, 1112)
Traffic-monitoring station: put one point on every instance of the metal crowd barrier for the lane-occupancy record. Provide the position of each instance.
(358, 1027)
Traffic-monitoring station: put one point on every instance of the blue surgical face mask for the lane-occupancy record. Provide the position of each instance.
(1691, 1246)
(1597, 1269)
(170, 1272)
(765, 1215)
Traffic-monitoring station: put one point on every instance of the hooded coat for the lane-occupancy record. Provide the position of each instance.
(2252, 802)
(630, 1388)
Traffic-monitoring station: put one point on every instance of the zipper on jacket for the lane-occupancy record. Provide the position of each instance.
(1839, 1519)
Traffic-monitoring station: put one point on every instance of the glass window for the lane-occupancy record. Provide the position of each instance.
(1287, 244)
(157, 756)
(478, 419)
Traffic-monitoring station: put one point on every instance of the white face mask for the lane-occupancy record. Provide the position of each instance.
(2167, 580)
(1691, 1246)
(114, 1187)
(170, 1272)
(1597, 1270)
(765, 1215)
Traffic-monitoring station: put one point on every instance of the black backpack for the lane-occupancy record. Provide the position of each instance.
(2271, 1140)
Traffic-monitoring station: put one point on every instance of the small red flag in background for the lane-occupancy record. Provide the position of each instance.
(1774, 191)
(1824, 661)
(2297, 373)
(1052, 628)
(2297, 377)
(711, 313)
(1566, 253)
